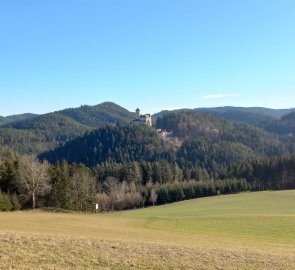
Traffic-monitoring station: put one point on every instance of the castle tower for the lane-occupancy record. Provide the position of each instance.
(137, 112)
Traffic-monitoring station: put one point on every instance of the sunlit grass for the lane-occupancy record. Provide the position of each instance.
(244, 231)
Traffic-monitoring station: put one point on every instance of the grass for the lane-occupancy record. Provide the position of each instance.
(243, 231)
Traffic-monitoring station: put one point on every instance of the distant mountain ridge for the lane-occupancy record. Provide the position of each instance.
(90, 116)
(30, 133)
(263, 112)
(13, 118)
(256, 116)
(274, 113)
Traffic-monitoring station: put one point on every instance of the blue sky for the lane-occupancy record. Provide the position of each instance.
(152, 54)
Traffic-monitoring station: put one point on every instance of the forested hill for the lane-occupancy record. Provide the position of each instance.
(100, 115)
(35, 134)
(89, 116)
(257, 116)
(210, 141)
(285, 126)
(250, 118)
(112, 144)
(207, 141)
(273, 113)
(13, 118)
(40, 133)
(272, 120)
(197, 124)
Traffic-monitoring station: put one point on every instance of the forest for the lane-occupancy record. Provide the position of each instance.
(119, 166)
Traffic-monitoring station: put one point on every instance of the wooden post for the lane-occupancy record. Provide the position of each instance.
(95, 207)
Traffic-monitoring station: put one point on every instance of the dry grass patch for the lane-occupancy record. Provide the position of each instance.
(36, 252)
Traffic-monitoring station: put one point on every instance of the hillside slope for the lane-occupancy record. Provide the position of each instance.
(211, 141)
(99, 115)
(207, 141)
(44, 132)
(285, 126)
(111, 144)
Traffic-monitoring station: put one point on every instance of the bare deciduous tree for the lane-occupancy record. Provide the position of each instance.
(83, 186)
(119, 195)
(34, 179)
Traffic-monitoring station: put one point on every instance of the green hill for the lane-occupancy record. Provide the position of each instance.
(14, 118)
(99, 115)
(210, 141)
(257, 116)
(111, 144)
(206, 141)
(40, 133)
(87, 116)
(284, 126)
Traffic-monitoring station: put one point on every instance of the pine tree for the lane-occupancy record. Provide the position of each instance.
(15, 204)
(5, 204)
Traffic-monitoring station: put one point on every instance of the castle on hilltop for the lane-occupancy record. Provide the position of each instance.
(145, 119)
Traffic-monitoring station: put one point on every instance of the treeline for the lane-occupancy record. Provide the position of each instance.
(276, 173)
(144, 173)
(135, 184)
(38, 184)
(196, 189)
(114, 186)
(28, 183)
(121, 195)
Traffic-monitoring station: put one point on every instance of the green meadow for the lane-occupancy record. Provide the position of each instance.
(242, 231)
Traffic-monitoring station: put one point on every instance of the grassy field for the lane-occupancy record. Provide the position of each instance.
(243, 231)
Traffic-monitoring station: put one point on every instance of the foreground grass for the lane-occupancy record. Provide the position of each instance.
(244, 231)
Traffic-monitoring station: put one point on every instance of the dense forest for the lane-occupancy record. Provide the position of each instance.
(207, 141)
(284, 127)
(186, 155)
(112, 144)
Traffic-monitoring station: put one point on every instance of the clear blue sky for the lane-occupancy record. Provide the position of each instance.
(152, 54)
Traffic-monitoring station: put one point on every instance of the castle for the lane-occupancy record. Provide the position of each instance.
(145, 119)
